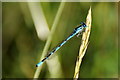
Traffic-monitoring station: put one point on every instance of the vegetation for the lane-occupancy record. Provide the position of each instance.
(23, 45)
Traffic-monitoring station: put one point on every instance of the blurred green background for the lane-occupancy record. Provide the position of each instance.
(22, 48)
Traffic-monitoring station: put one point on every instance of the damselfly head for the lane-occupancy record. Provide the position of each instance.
(83, 24)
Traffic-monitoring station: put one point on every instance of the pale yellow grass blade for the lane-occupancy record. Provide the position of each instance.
(84, 44)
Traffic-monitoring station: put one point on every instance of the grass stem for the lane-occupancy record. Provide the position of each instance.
(84, 44)
(47, 45)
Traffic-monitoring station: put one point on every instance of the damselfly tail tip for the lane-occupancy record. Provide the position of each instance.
(36, 65)
(39, 64)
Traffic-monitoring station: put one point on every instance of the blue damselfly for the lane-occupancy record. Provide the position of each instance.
(78, 30)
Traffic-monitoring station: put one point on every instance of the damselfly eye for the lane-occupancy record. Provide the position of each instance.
(83, 24)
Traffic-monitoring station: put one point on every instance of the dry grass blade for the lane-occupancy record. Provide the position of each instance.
(39, 20)
(84, 44)
(47, 45)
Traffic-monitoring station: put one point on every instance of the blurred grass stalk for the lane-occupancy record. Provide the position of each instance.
(48, 42)
(0, 40)
(39, 20)
(84, 44)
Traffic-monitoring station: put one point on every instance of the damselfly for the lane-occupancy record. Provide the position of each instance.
(78, 30)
